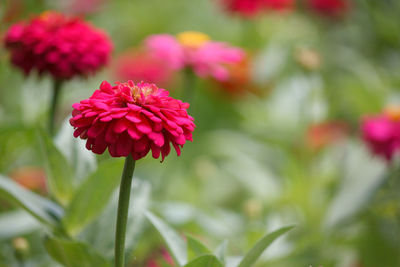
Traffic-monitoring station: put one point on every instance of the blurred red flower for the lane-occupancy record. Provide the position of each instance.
(132, 119)
(332, 8)
(139, 65)
(59, 45)
(322, 134)
(251, 8)
(382, 132)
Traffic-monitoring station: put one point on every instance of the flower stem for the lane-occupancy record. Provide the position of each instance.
(123, 205)
(189, 85)
(53, 107)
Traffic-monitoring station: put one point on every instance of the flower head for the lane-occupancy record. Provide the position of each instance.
(139, 65)
(331, 8)
(195, 50)
(251, 8)
(382, 133)
(132, 119)
(61, 46)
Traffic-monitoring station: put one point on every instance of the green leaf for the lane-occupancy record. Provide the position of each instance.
(42, 209)
(59, 173)
(195, 247)
(174, 241)
(17, 223)
(104, 243)
(205, 261)
(80, 159)
(93, 195)
(220, 251)
(74, 254)
(252, 256)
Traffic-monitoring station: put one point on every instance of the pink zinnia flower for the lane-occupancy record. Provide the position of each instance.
(333, 8)
(138, 66)
(132, 119)
(195, 50)
(61, 46)
(382, 133)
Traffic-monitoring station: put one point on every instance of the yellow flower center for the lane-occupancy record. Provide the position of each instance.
(192, 39)
(392, 112)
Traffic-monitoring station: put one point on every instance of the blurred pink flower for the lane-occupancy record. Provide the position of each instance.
(132, 119)
(195, 50)
(141, 66)
(59, 45)
(332, 8)
(382, 135)
(165, 259)
(279, 5)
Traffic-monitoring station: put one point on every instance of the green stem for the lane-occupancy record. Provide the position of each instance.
(189, 85)
(53, 106)
(123, 205)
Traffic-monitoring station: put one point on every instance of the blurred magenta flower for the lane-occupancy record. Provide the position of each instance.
(382, 132)
(251, 8)
(132, 119)
(195, 50)
(139, 65)
(332, 8)
(59, 45)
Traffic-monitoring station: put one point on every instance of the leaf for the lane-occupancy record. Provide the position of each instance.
(140, 201)
(93, 195)
(17, 223)
(42, 209)
(252, 256)
(74, 254)
(205, 261)
(220, 251)
(195, 247)
(82, 160)
(59, 173)
(174, 241)
(358, 185)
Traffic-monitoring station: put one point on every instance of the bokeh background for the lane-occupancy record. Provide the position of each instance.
(278, 144)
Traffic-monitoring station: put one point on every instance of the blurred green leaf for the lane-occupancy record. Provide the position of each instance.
(59, 173)
(174, 241)
(93, 195)
(74, 254)
(104, 243)
(220, 251)
(358, 184)
(82, 160)
(42, 209)
(252, 256)
(17, 223)
(205, 261)
(195, 247)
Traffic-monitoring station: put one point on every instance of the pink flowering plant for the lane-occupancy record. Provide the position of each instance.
(196, 133)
